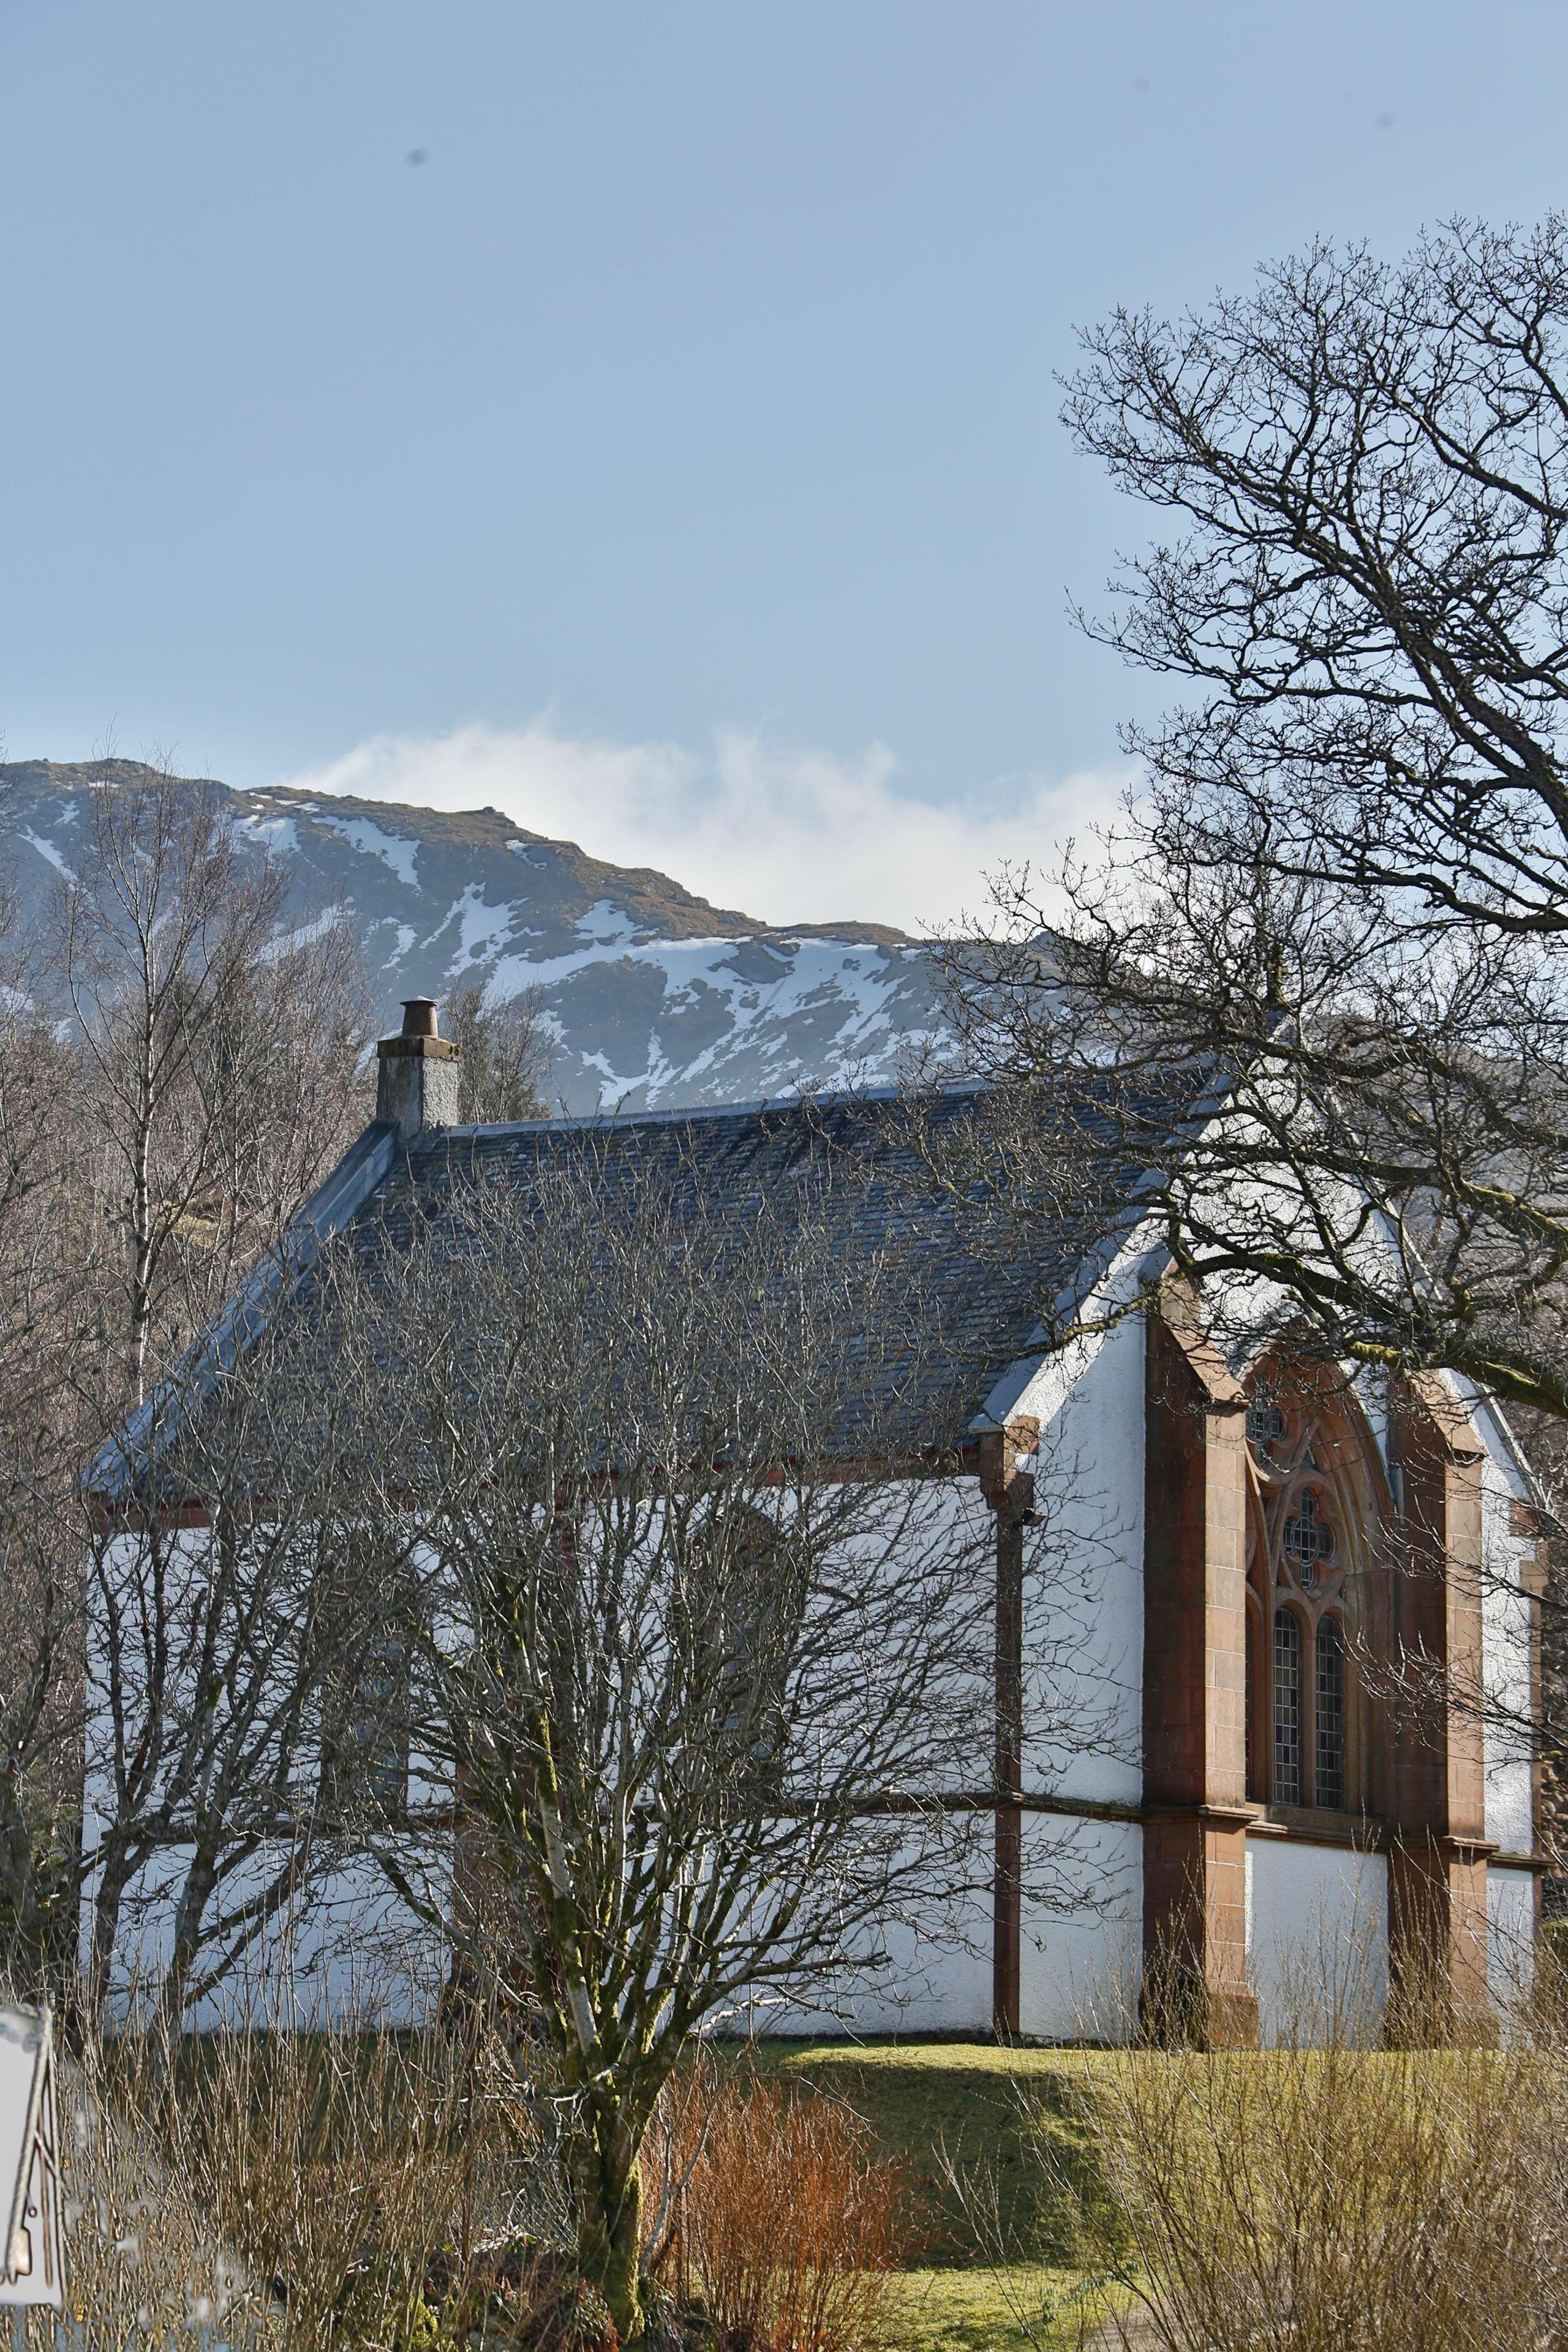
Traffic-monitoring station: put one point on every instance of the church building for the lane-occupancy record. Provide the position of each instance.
(1279, 1549)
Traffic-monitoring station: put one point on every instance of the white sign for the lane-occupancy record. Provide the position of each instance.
(30, 2170)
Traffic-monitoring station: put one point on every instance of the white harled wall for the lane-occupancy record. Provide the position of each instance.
(1083, 1718)
(1506, 1612)
(1507, 1624)
(345, 1947)
(347, 1951)
(1317, 1938)
(1511, 1935)
(353, 1944)
(1083, 1637)
(1081, 1961)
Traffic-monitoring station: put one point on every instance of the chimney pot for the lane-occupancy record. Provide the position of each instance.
(416, 1077)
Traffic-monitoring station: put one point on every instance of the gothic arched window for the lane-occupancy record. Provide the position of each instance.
(1313, 1509)
(1287, 1708)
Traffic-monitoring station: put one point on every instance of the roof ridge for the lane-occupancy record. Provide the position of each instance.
(587, 1121)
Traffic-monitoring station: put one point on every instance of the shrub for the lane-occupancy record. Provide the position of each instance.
(1315, 2200)
(785, 2222)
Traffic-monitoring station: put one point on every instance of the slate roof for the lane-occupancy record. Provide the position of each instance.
(983, 1282)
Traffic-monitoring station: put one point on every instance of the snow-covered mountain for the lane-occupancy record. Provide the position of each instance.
(654, 997)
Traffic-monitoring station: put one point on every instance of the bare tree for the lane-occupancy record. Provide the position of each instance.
(157, 1148)
(504, 1052)
(237, 1613)
(701, 1638)
(217, 1050)
(1309, 996)
(45, 1323)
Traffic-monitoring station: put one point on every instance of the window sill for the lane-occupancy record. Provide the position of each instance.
(1323, 1824)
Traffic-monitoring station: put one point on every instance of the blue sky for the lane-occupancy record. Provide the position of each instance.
(671, 455)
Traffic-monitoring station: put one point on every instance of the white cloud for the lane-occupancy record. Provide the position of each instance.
(791, 836)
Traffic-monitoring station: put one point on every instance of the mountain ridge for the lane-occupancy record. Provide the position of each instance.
(653, 996)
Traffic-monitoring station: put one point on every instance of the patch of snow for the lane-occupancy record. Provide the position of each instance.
(361, 833)
(46, 849)
(282, 942)
(514, 972)
(403, 936)
(479, 924)
(606, 922)
(275, 832)
(615, 1088)
(531, 853)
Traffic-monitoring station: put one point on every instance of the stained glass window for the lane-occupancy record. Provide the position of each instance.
(1331, 1713)
(1287, 1708)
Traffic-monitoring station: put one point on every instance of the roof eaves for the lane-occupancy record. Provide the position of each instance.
(1123, 1259)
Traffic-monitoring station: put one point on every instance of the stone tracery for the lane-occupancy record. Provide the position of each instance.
(1312, 1510)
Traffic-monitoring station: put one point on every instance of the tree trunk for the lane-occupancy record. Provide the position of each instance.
(141, 1256)
(22, 1935)
(190, 1920)
(115, 1875)
(609, 2215)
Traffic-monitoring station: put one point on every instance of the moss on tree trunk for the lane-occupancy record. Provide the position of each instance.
(609, 2215)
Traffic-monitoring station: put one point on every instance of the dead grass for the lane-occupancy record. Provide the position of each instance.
(1414, 2199)
(1029, 2307)
(978, 2106)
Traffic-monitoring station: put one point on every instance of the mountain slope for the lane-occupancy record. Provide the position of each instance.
(654, 997)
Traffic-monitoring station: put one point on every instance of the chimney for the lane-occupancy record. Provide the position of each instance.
(416, 1074)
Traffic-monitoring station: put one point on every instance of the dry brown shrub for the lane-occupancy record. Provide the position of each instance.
(785, 2222)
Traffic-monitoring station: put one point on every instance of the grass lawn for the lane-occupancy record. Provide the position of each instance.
(981, 2311)
(923, 2098)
